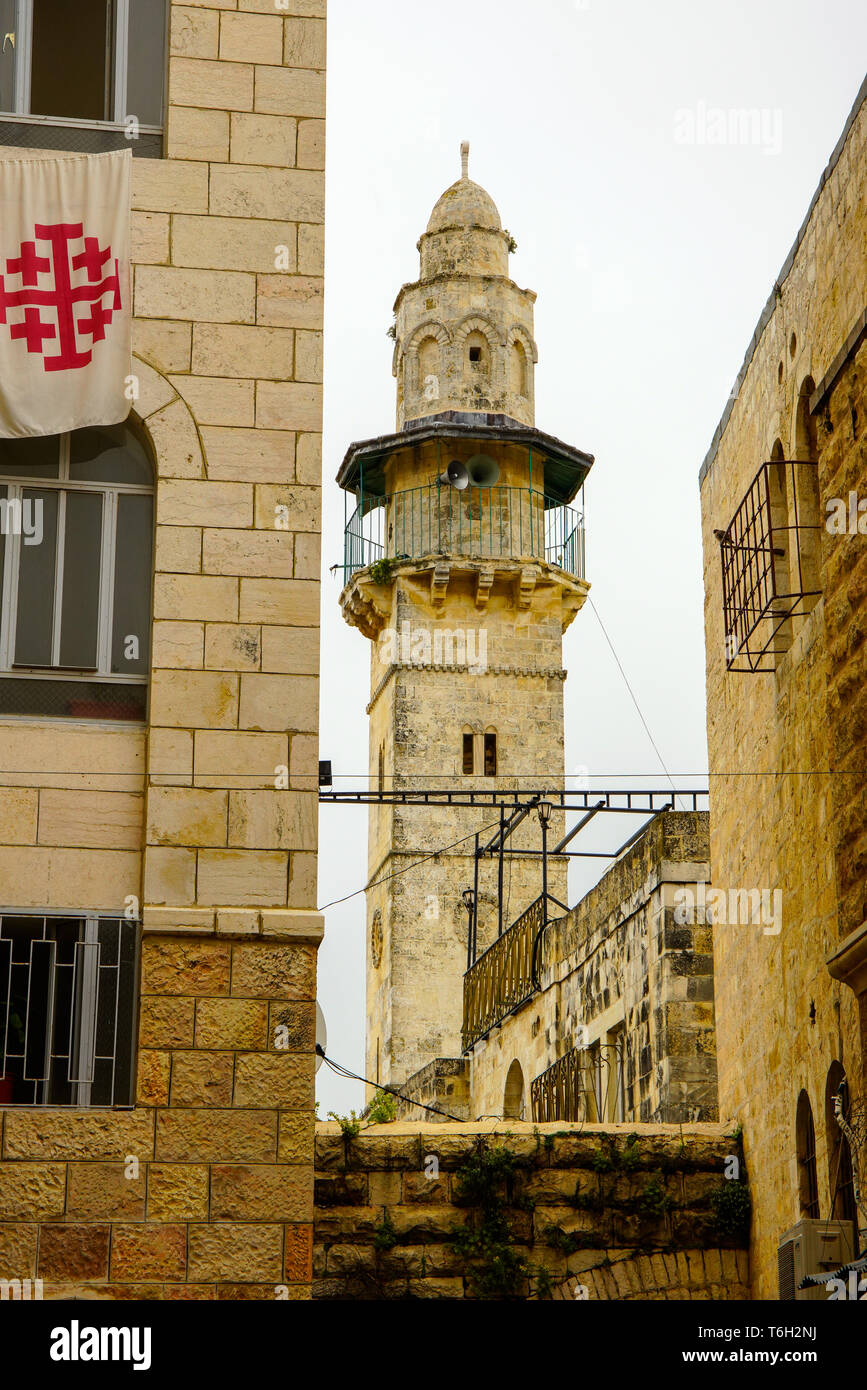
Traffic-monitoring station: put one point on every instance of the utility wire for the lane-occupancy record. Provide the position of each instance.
(632, 694)
(434, 854)
(340, 1070)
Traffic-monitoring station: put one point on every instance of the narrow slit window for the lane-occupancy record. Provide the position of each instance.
(490, 755)
(468, 755)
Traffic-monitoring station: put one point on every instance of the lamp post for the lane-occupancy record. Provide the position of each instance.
(469, 900)
(544, 808)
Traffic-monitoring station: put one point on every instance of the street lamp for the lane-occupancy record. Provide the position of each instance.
(469, 900)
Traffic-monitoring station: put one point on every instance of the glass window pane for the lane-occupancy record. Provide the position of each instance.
(147, 48)
(30, 458)
(36, 569)
(70, 63)
(108, 455)
(7, 64)
(79, 619)
(130, 639)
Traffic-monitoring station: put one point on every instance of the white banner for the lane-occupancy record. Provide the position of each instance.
(65, 298)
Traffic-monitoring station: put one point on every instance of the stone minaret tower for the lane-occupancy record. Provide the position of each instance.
(465, 592)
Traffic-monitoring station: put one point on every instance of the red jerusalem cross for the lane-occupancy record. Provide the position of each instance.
(58, 299)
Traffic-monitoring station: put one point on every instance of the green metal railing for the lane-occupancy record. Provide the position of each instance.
(508, 522)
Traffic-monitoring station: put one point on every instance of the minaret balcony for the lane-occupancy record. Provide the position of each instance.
(480, 523)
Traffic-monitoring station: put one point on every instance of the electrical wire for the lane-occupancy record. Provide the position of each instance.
(434, 854)
(340, 1070)
(632, 694)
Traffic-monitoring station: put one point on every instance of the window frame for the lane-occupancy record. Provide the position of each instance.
(83, 1007)
(102, 673)
(118, 36)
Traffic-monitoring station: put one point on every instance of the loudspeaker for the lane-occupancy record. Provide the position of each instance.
(483, 470)
(456, 476)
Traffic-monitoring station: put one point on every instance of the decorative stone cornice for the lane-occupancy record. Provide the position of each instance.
(556, 673)
(848, 962)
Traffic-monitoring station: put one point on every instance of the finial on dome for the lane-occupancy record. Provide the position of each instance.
(465, 159)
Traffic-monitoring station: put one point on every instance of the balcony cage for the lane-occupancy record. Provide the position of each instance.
(481, 523)
(770, 564)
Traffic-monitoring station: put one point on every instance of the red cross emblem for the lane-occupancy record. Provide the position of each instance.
(57, 286)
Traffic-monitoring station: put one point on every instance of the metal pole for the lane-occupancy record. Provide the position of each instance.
(476, 900)
(544, 872)
(500, 875)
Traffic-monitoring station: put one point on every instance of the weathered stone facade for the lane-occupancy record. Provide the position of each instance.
(787, 748)
(465, 597)
(206, 816)
(630, 974)
(598, 1214)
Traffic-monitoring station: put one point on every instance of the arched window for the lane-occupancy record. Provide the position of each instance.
(468, 753)
(513, 1100)
(76, 560)
(518, 369)
(808, 1183)
(478, 352)
(490, 749)
(428, 368)
(806, 498)
(840, 1181)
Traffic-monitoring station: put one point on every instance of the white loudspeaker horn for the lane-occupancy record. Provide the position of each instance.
(483, 470)
(456, 476)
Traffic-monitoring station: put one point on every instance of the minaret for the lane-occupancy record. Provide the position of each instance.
(464, 566)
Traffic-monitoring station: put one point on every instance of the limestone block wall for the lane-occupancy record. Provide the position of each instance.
(418, 718)
(620, 966)
(620, 1213)
(777, 816)
(207, 817)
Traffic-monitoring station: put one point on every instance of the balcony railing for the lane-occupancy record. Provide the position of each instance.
(503, 977)
(483, 523)
(583, 1084)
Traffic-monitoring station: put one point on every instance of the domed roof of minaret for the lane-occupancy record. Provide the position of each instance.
(465, 204)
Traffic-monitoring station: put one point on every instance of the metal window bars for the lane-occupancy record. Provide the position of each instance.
(508, 522)
(67, 1009)
(583, 1085)
(769, 555)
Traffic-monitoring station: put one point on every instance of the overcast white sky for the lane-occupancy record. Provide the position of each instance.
(652, 258)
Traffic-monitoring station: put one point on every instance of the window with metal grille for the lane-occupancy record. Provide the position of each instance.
(769, 569)
(86, 76)
(76, 559)
(67, 1009)
(806, 1148)
(840, 1175)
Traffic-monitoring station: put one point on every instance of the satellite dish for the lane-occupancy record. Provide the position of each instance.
(321, 1035)
(483, 470)
(456, 476)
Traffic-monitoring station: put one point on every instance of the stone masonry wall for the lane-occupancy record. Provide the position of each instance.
(207, 818)
(618, 1213)
(620, 960)
(778, 811)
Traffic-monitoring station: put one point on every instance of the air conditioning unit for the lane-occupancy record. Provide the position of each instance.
(813, 1247)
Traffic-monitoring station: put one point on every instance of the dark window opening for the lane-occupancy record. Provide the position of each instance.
(67, 1010)
(468, 755)
(96, 62)
(70, 71)
(490, 755)
(475, 354)
(76, 575)
(806, 1148)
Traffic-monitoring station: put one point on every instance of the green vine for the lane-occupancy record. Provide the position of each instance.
(732, 1207)
(495, 1268)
